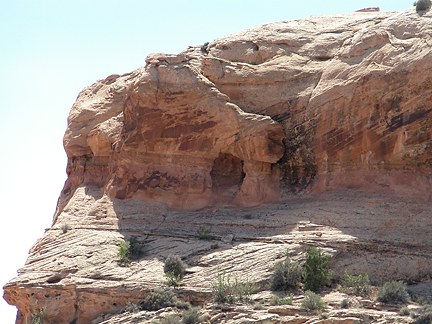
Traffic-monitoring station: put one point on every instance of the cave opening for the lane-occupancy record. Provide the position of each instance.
(227, 174)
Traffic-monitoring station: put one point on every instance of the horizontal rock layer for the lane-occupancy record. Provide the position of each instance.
(338, 103)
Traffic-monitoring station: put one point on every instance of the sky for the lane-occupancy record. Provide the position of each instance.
(51, 49)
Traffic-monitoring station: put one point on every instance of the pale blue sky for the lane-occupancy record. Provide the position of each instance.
(51, 50)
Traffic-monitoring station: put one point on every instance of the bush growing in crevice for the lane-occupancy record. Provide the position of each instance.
(276, 300)
(124, 253)
(425, 316)
(345, 303)
(191, 316)
(316, 273)
(136, 248)
(225, 290)
(404, 311)
(313, 302)
(393, 292)
(65, 227)
(182, 305)
(174, 266)
(131, 308)
(170, 319)
(38, 316)
(204, 234)
(158, 299)
(422, 5)
(171, 279)
(359, 285)
(204, 48)
(286, 275)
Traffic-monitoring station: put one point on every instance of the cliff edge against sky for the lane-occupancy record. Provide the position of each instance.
(319, 129)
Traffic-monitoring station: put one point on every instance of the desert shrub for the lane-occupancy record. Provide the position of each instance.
(191, 316)
(404, 311)
(182, 304)
(123, 253)
(393, 292)
(421, 300)
(174, 265)
(227, 290)
(204, 47)
(313, 302)
(214, 246)
(204, 234)
(171, 279)
(422, 5)
(259, 306)
(324, 316)
(360, 284)
(276, 300)
(131, 308)
(38, 316)
(221, 289)
(286, 275)
(65, 227)
(425, 316)
(158, 299)
(136, 249)
(315, 270)
(171, 319)
(345, 303)
(243, 289)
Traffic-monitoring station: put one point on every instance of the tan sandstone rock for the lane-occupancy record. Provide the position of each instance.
(336, 105)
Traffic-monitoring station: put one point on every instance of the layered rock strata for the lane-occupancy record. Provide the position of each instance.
(330, 103)
(165, 133)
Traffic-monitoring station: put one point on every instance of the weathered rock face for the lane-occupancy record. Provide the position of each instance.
(332, 103)
(166, 139)
(349, 95)
(353, 91)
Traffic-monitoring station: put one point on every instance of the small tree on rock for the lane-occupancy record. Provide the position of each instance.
(315, 271)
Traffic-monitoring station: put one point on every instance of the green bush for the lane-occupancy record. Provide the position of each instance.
(123, 253)
(65, 227)
(404, 311)
(360, 284)
(38, 316)
(345, 303)
(276, 300)
(158, 299)
(324, 316)
(204, 48)
(191, 316)
(425, 316)
(136, 249)
(171, 279)
(259, 306)
(131, 308)
(422, 5)
(204, 234)
(393, 292)
(315, 271)
(286, 275)
(224, 290)
(214, 246)
(174, 265)
(313, 302)
(243, 289)
(171, 319)
(182, 305)
(221, 289)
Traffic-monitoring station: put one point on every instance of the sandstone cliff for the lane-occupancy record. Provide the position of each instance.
(326, 119)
